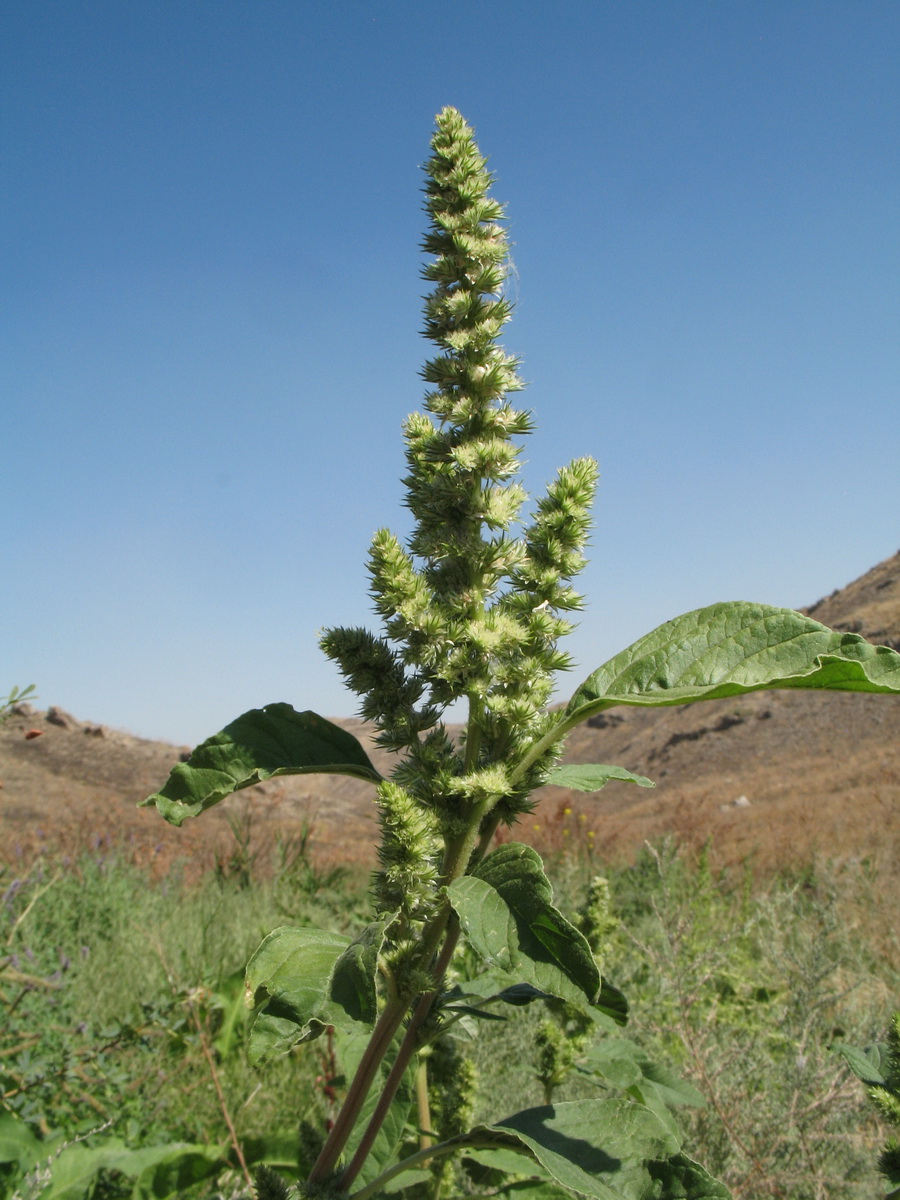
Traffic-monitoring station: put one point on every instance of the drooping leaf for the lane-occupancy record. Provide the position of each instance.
(531, 1180)
(590, 777)
(732, 648)
(598, 1148)
(505, 908)
(263, 743)
(608, 1010)
(302, 980)
(607, 1149)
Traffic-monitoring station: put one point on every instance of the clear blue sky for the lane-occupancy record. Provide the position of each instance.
(211, 303)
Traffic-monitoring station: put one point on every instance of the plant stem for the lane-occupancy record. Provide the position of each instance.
(456, 859)
(473, 732)
(423, 1107)
(408, 1047)
(382, 1036)
(556, 734)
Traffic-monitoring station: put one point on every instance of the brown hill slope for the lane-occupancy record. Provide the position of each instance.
(775, 776)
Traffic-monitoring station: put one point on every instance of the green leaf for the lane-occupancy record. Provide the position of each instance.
(170, 1170)
(302, 980)
(158, 1171)
(599, 1148)
(489, 989)
(263, 743)
(18, 1144)
(506, 911)
(733, 648)
(590, 777)
(616, 1060)
(870, 1065)
(621, 1062)
(680, 1178)
(669, 1087)
(533, 1189)
(408, 1179)
(612, 1002)
(511, 1160)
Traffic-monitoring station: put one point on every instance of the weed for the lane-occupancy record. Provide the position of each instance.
(474, 608)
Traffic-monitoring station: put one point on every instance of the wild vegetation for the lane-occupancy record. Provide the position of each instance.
(455, 1031)
(124, 1064)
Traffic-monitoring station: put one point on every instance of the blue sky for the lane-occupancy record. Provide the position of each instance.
(211, 302)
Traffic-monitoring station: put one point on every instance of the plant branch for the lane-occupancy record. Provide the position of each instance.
(408, 1047)
(543, 744)
(382, 1036)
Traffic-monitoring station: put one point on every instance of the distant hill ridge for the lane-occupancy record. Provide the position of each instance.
(773, 775)
(870, 605)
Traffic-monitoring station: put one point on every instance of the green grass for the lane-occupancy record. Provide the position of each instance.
(118, 990)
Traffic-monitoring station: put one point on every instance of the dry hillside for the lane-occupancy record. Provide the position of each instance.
(775, 776)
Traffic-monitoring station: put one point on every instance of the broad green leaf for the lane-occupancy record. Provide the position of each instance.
(590, 777)
(158, 1171)
(302, 980)
(607, 1149)
(733, 648)
(599, 1148)
(870, 1065)
(19, 1145)
(277, 1148)
(263, 743)
(74, 1170)
(506, 911)
(170, 1170)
